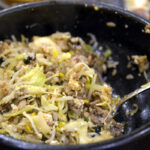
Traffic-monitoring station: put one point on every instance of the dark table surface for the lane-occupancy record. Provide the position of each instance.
(142, 144)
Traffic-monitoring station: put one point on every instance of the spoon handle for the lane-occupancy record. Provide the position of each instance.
(134, 93)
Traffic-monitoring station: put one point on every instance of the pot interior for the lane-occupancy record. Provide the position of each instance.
(125, 39)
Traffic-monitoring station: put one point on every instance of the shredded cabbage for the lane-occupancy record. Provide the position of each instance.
(41, 124)
(35, 77)
(47, 106)
(26, 109)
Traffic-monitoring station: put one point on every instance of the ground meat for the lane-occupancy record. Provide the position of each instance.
(50, 69)
(116, 128)
(82, 93)
(70, 93)
(75, 106)
(97, 115)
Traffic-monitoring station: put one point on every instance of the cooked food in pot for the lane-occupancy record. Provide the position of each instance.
(51, 91)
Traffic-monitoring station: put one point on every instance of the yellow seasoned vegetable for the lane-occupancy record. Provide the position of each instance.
(35, 77)
(47, 106)
(41, 124)
(26, 109)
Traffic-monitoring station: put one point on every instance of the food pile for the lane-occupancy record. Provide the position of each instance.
(51, 91)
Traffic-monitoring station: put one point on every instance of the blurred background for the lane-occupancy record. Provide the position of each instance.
(140, 7)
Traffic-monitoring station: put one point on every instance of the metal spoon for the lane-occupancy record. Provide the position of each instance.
(134, 93)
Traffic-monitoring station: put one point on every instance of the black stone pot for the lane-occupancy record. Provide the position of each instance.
(80, 18)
